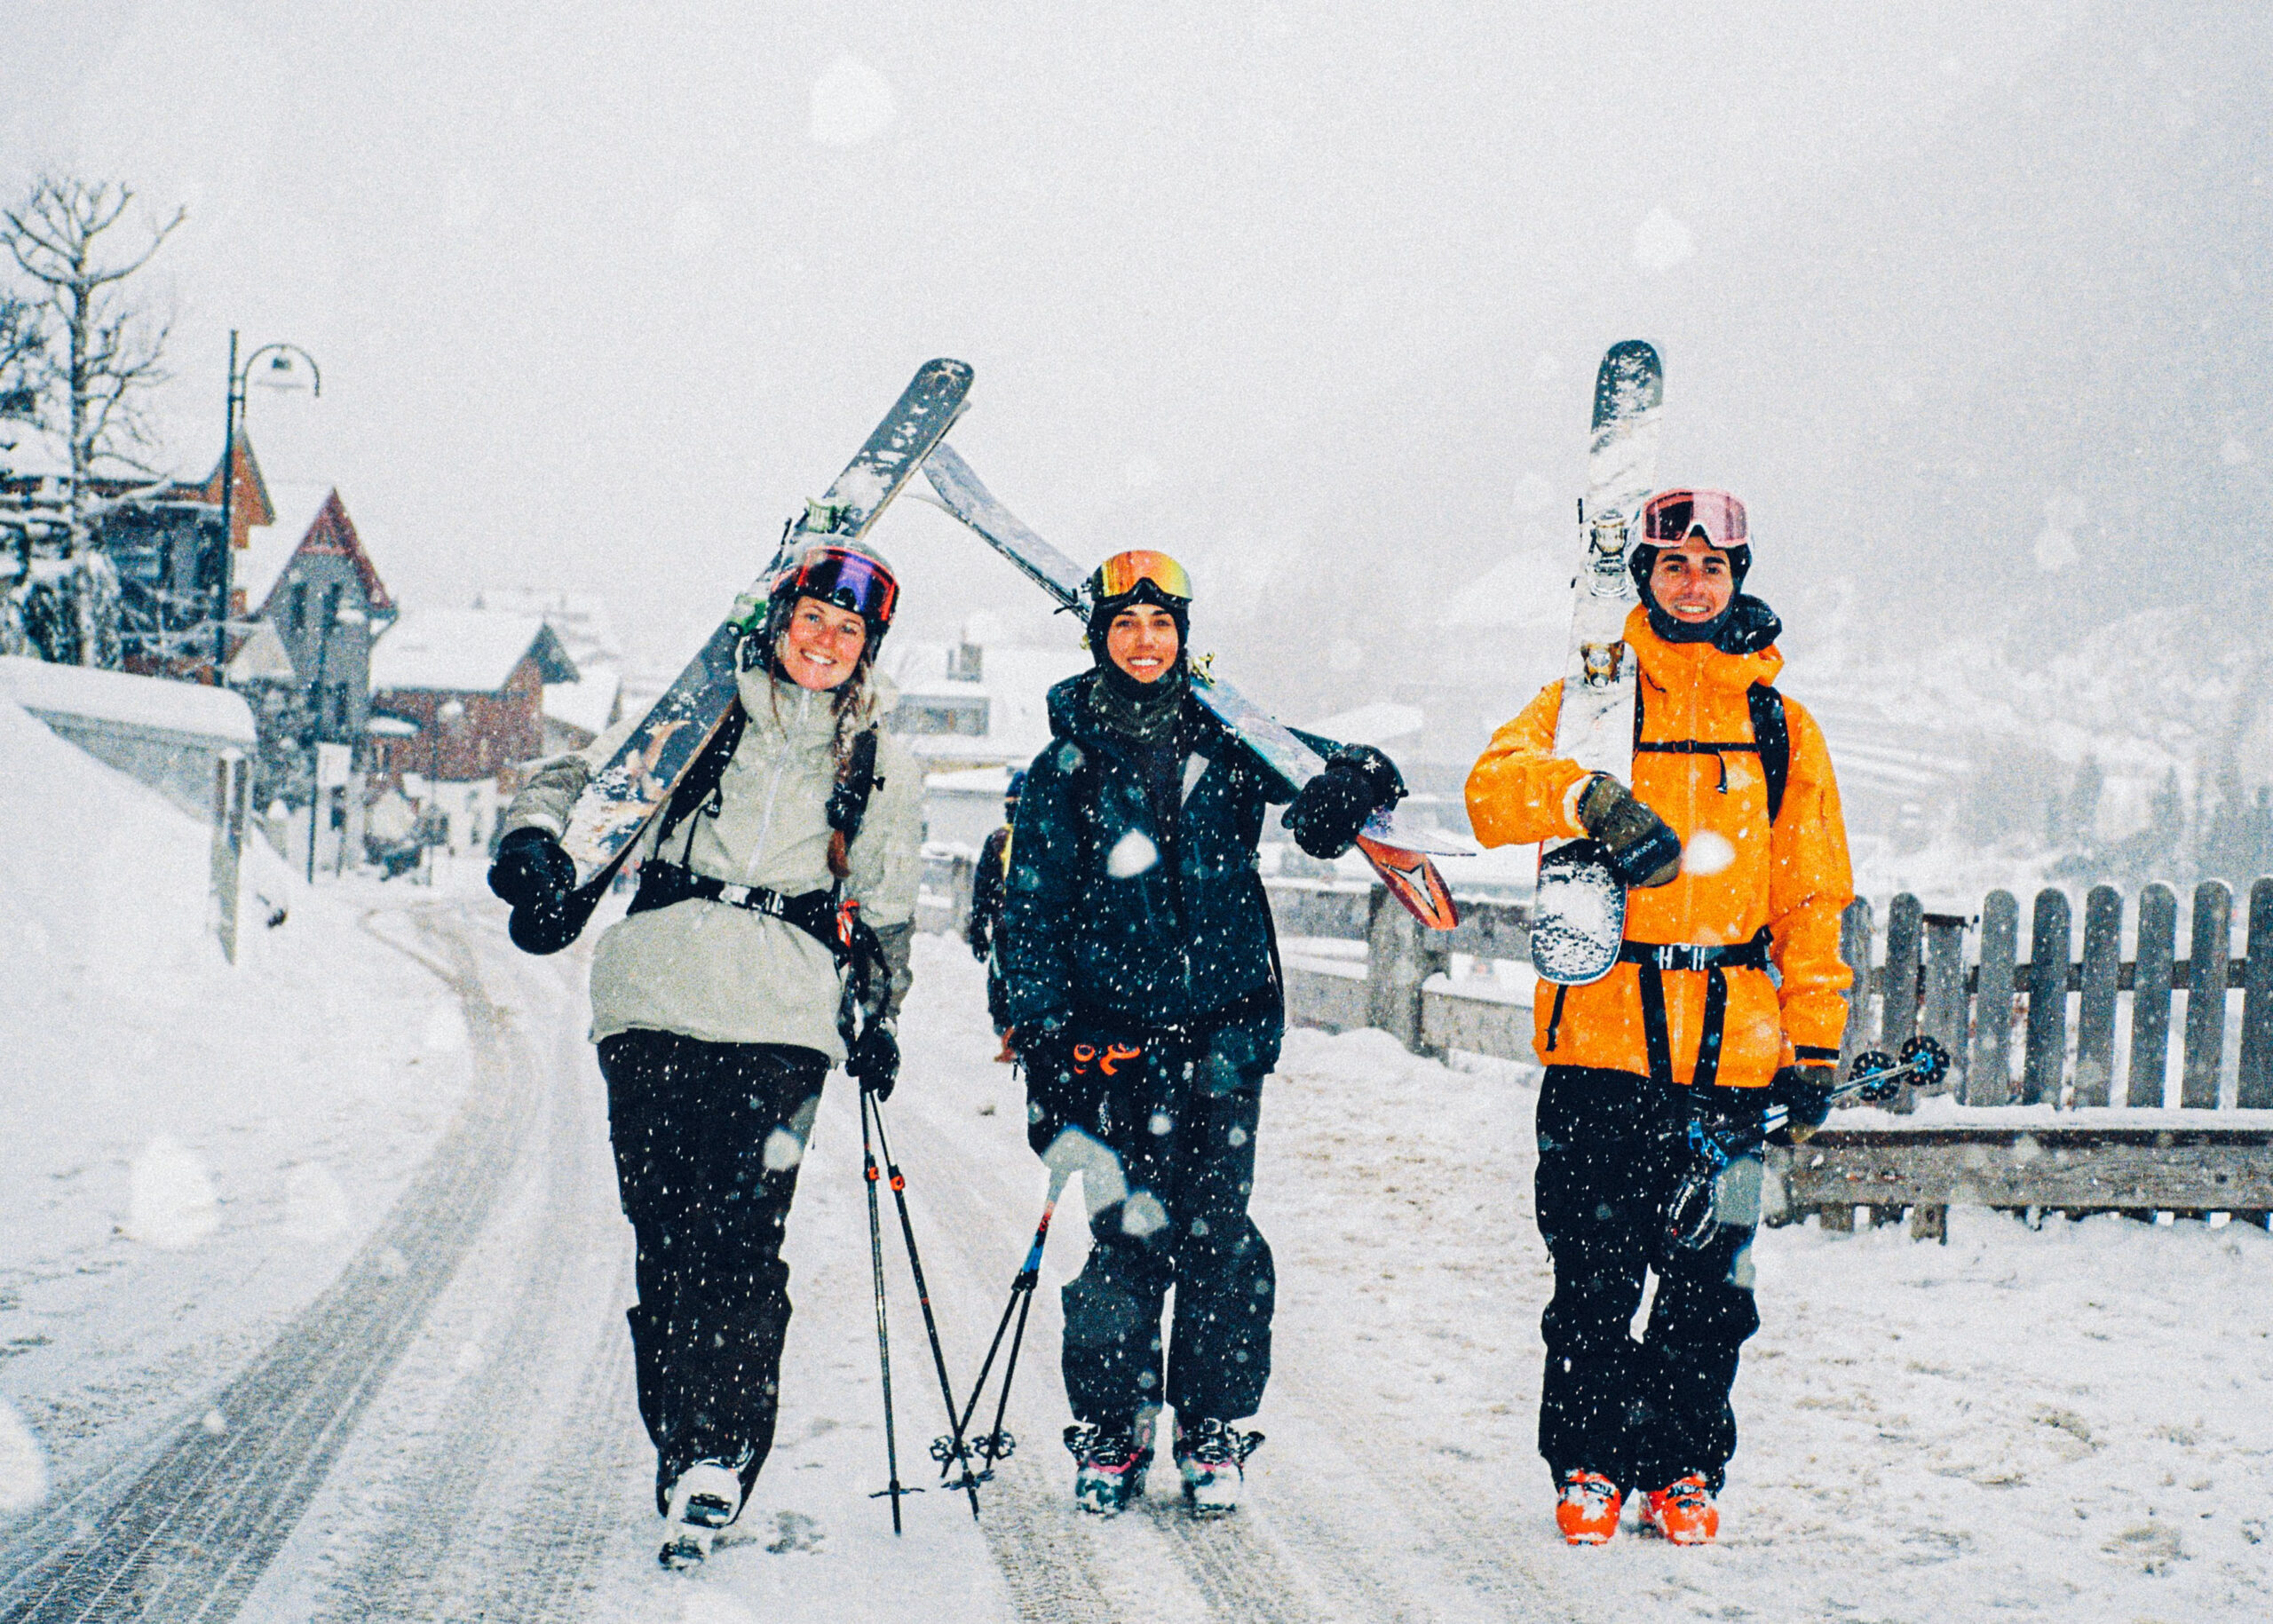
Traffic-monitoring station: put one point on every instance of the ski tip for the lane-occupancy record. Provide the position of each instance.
(1631, 380)
(947, 366)
(1414, 881)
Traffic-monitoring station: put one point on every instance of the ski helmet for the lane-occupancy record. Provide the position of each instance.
(1139, 576)
(844, 574)
(1015, 789)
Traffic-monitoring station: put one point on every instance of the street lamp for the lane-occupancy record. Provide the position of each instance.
(280, 358)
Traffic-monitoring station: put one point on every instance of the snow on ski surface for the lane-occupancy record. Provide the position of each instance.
(2074, 1423)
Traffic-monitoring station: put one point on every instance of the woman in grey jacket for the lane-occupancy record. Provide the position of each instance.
(716, 1005)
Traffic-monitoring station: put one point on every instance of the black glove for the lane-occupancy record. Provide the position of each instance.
(874, 1060)
(1053, 1092)
(1804, 1091)
(978, 937)
(1640, 847)
(1329, 811)
(531, 869)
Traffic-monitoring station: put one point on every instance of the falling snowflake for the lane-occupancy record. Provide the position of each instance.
(1132, 854)
(852, 103)
(1661, 242)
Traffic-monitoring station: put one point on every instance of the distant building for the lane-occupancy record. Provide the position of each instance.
(304, 583)
(575, 713)
(977, 702)
(168, 734)
(469, 684)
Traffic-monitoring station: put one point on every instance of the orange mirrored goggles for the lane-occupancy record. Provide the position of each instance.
(1122, 573)
(1670, 517)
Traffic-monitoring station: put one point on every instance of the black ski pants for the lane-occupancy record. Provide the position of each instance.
(1612, 1147)
(709, 1139)
(1179, 1125)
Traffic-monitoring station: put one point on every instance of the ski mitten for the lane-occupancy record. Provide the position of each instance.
(530, 868)
(1328, 812)
(1640, 847)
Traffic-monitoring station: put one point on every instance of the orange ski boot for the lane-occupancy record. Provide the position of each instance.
(1588, 1511)
(1684, 1511)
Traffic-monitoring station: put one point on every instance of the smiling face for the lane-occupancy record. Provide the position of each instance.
(822, 644)
(1143, 642)
(1692, 583)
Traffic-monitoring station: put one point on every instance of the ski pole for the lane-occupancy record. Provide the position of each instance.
(1691, 1214)
(884, 1333)
(967, 1482)
(997, 1445)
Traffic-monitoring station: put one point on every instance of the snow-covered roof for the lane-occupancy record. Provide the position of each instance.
(1374, 724)
(381, 726)
(138, 702)
(269, 548)
(581, 619)
(465, 651)
(588, 704)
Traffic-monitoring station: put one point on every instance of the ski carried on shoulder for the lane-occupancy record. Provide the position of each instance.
(1398, 847)
(1579, 914)
(639, 779)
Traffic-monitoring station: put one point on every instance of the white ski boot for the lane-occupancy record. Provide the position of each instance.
(1211, 1456)
(706, 1498)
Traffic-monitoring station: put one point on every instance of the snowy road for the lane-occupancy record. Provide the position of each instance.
(448, 1431)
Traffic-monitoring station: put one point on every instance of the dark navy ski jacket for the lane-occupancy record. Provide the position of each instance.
(1110, 919)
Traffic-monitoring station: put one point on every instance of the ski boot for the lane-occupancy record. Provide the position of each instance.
(1109, 1465)
(1588, 1511)
(1684, 1511)
(705, 1497)
(1211, 1456)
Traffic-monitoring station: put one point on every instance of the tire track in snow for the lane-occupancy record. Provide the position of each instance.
(488, 1486)
(184, 1530)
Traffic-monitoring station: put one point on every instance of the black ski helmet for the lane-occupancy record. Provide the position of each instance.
(1015, 788)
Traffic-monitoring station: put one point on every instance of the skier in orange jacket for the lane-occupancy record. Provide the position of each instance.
(1688, 1024)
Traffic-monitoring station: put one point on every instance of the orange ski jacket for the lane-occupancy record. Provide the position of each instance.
(1738, 876)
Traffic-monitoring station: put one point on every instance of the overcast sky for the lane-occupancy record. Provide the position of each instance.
(1307, 294)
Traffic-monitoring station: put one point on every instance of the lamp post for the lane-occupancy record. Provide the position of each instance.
(281, 359)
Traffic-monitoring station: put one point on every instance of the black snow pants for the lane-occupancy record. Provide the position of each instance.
(1611, 1146)
(709, 1137)
(1170, 1210)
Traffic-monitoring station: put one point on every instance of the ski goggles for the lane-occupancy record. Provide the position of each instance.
(1669, 517)
(846, 579)
(1124, 572)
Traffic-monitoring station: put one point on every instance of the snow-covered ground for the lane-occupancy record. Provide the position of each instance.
(190, 1150)
(2074, 1423)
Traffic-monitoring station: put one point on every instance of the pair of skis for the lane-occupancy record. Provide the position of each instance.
(637, 781)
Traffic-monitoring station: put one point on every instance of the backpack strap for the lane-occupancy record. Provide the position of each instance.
(1773, 734)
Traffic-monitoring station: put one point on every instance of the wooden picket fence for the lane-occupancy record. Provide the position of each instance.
(2092, 1035)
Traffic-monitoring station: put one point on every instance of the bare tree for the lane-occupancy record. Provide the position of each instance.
(110, 351)
(22, 346)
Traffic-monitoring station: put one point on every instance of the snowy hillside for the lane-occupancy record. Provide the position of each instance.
(188, 1151)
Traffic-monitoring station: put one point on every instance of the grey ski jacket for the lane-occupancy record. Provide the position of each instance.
(725, 974)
